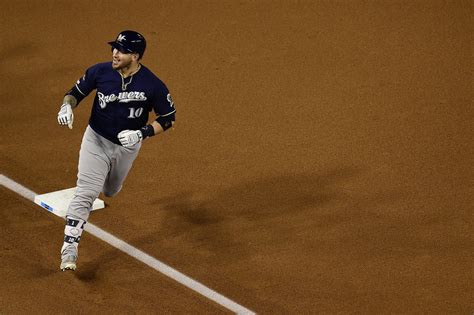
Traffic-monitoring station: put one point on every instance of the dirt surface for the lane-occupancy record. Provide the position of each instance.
(321, 160)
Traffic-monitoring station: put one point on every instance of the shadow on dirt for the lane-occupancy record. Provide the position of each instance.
(262, 208)
(258, 199)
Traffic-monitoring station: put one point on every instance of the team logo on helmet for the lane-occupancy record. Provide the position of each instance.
(120, 38)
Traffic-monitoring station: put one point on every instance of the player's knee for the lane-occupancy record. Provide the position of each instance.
(111, 192)
(108, 193)
(83, 198)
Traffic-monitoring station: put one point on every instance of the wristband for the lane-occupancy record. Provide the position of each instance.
(147, 131)
(166, 122)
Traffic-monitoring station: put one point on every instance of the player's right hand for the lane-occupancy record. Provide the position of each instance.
(65, 115)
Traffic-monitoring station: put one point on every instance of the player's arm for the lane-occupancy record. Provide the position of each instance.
(157, 128)
(161, 124)
(129, 138)
(75, 95)
(71, 100)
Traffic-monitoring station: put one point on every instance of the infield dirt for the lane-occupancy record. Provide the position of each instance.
(321, 160)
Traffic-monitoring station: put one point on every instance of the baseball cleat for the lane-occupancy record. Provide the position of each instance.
(68, 263)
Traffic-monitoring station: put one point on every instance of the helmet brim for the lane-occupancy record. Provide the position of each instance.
(120, 47)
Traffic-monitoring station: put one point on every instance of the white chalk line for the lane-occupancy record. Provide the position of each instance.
(140, 255)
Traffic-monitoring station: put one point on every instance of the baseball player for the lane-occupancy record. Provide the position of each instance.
(126, 91)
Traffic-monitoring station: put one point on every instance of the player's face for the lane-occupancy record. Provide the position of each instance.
(121, 60)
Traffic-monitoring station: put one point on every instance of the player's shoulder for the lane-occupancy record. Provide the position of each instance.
(153, 78)
(100, 68)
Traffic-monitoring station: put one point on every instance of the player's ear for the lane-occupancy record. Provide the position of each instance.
(136, 56)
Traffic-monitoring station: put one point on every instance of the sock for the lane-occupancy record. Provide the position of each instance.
(72, 236)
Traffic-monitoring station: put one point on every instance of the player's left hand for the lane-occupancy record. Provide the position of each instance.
(128, 138)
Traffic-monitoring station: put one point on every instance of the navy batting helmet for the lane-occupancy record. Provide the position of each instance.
(130, 42)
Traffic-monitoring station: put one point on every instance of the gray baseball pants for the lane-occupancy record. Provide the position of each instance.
(103, 167)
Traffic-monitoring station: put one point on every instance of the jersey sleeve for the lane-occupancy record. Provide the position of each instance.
(163, 103)
(85, 85)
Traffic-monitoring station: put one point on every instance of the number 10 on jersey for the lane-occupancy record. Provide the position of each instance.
(135, 112)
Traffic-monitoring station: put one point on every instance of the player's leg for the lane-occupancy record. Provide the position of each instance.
(121, 163)
(72, 235)
(94, 164)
